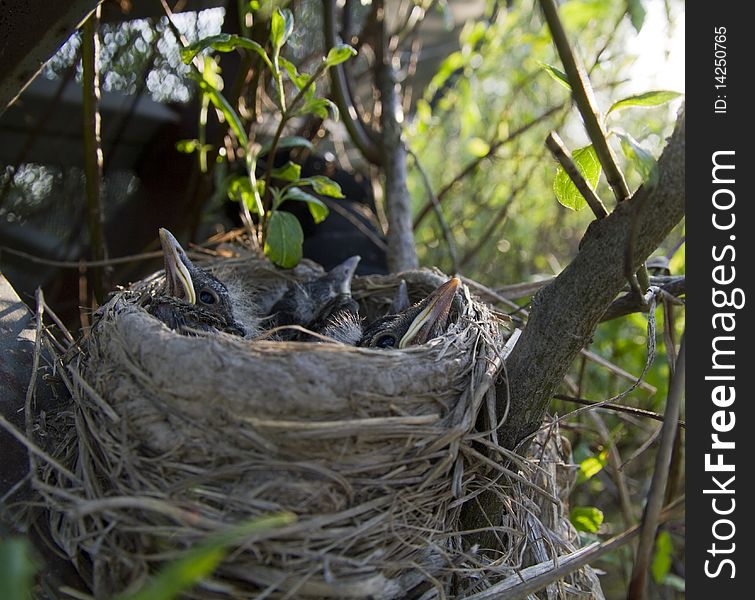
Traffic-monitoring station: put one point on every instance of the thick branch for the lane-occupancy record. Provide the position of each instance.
(402, 253)
(566, 312)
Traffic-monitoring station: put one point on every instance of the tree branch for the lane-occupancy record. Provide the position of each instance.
(402, 253)
(566, 312)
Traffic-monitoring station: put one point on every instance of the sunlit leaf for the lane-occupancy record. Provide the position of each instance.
(187, 146)
(640, 158)
(566, 192)
(557, 74)
(240, 190)
(647, 99)
(453, 61)
(281, 26)
(586, 518)
(288, 172)
(591, 466)
(637, 13)
(662, 559)
(298, 79)
(222, 42)
(201, 561)
(576, 14)
(285, 237)
(323, 185)
(317, 207)
(338, 54)
(219, 102)
(478, 147)
(321, 107)
(17, 569)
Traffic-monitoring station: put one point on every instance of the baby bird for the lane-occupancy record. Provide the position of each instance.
(312, 304)
(192, 299)
(415, 325)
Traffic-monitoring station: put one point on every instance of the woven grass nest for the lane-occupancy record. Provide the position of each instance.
(173, 438)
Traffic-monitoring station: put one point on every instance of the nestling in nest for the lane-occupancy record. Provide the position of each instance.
(173, 437)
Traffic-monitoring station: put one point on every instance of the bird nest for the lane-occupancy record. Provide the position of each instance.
(171, 439)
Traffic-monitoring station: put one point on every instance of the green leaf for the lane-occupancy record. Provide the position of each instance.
(17, 569)
(317, 207)
(240, 190)
(338, 54)
(219, 102)
(222, 42)
(323, 185)
(320, 107)
(662, 559)
(285, 237)
(640, 158)
(288, 172)
(478, 147)
(592, 465)
(281, 27)
(586, 518)
(637, 13)
(293, 141)
(654, 98)
(557, 74)
(187, 146)
(566, 192)
(199, 562)
(298, 79)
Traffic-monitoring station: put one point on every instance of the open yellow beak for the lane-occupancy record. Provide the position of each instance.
(437, 308)
(177, 274)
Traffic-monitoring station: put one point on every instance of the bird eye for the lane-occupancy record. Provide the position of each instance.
(386, 341)
(208, 297)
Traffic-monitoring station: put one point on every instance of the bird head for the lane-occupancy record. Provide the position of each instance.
(195, 286)
(415, 325)
(335, 282)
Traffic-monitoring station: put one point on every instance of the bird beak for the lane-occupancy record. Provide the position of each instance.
(436, 309)
(177, 274)
(344, 272)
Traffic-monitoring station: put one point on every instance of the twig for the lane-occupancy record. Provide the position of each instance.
(39, 126)
(499, 216)
(615, 463)
(564, 158)
(341, 96)
(76, 264)
(493, 147)
(631, 410)
(652, 515)
(585, 101)
(447, 235)
(92, 147)
(524, 590)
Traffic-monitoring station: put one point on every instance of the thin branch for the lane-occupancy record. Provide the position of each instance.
(585, 101)
(564, 158)
(652, 515)
(77, 264)
(630, 410)
(566, 312)
(341, 96)
(447, 235)
(493, 147)
(92, 147)
(530, 586)
(499, 217)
